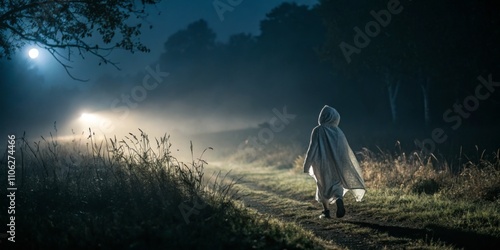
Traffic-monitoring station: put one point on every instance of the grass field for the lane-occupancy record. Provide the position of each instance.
(387, 217)
(132, 193)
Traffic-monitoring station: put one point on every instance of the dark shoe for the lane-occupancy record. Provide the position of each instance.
(340, 208)
(325, 214)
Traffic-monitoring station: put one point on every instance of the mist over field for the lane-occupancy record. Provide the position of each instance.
(406, 79)
(185, 124)
(402, 76)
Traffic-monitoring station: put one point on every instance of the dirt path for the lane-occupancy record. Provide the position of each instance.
(305, 212)
(288, 208)
(354, 231)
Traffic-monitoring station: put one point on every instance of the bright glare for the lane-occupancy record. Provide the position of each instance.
(33, 53)
(88, 117)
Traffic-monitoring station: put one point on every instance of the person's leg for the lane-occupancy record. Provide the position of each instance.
(326, 211)
(340, 208)
(325, 205)
(338, 193)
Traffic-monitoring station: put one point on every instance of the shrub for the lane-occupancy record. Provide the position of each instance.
(399, 171)
(419, 174)
(427, 186)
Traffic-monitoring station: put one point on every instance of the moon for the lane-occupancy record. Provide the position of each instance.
(33, 53)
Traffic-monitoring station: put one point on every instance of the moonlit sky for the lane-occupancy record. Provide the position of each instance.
(167, 18)
(204, 98)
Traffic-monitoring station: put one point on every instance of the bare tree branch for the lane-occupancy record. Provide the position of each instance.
(94, 27)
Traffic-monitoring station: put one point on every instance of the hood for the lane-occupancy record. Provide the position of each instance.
(329, 115)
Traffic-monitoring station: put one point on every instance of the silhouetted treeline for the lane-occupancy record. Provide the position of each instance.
(395, 69)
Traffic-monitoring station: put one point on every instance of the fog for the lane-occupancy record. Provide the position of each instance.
(208, 77)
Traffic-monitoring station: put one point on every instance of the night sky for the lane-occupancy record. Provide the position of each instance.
(51, 91)
(212, 75)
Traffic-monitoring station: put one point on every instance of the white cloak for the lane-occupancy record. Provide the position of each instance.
(331, 162)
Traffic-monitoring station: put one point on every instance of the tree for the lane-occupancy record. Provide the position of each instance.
(197, 39)
(362, 50)
(191, 55)
(424, 54)
(291, 27)
(288, 45)
(66, 28)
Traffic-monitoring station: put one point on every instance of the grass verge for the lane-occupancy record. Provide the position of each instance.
(132, 194)
(393, 218)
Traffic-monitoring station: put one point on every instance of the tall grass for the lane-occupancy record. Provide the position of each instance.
(477, 180)
(419, 173)
(130, 194)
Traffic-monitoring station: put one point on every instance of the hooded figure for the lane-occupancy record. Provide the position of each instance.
(332, 164)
